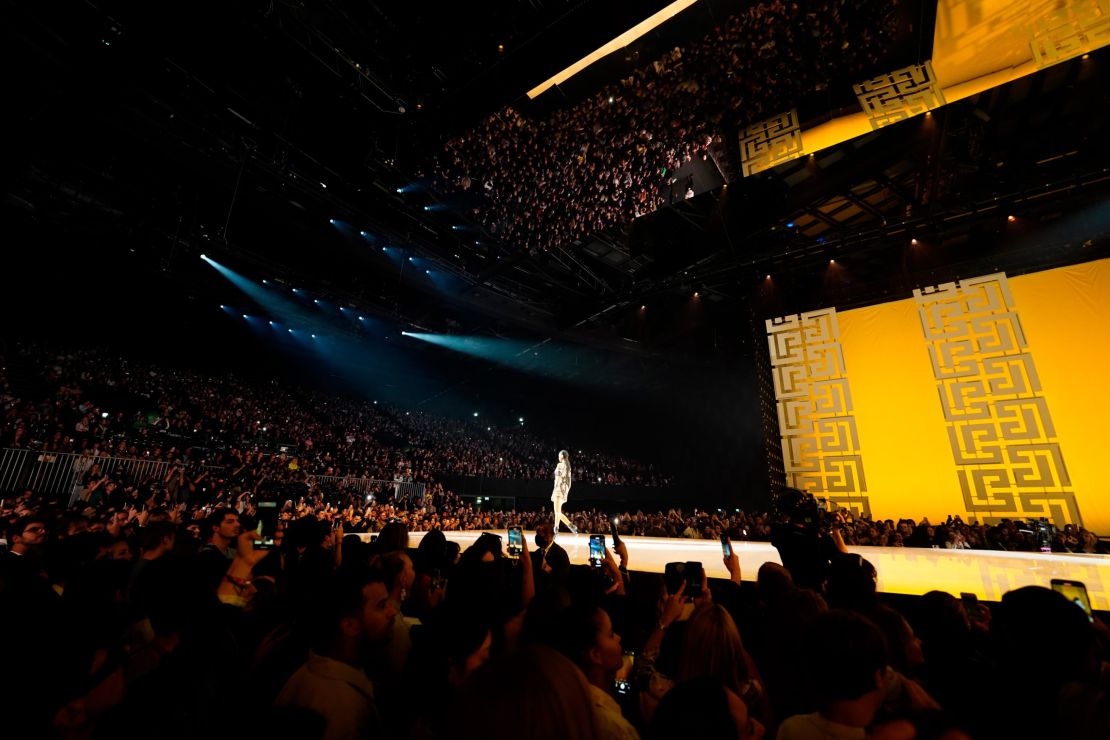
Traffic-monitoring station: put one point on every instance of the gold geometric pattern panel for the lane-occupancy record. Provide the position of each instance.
(1008, 461)
(899, 95)
(1075, 28)
(771, 142)
(820, 443)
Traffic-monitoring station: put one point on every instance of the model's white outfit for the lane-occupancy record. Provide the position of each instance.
(559, 495)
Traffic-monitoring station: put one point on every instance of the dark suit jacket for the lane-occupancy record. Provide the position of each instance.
(559, 562)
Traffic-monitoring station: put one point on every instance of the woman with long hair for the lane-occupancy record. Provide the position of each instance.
(562, 490)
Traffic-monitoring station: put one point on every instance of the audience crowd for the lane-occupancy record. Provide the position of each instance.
(149, 619)
(144, 413)
(143, 601)
(92, 402)
(548, 182)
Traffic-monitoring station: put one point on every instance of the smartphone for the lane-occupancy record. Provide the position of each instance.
(726, 546)
(692, 572)
(971, 606)
(1075, 592)
(673, 576)
(597, 550)
(516, 543)
(622, 681)
(615, 531)
(267, 525)
(694, 575)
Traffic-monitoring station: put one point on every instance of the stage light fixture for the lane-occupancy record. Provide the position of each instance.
(203, 257)
(1011, 218)
(245, 316)
(914, 242)
(400, 190)
(475, 414)
(790, 224)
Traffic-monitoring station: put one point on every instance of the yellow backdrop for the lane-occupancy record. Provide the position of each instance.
(898, 389)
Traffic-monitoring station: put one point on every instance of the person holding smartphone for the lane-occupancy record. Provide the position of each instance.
(562, 491)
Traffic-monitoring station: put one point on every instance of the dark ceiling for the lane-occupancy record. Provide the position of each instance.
(153, 132)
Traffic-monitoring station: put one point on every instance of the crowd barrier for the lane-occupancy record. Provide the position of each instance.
(59, 474)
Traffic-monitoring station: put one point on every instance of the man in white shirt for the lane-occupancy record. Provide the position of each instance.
(847, 663)
(357, 613)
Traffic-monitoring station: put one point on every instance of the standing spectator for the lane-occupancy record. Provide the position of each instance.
(357, 613)
(550, 562)
(587, 637)
(846, 660)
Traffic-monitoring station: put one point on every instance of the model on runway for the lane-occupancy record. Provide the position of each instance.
(562, 490)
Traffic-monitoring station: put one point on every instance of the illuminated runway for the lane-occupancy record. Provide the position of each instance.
(902, 570)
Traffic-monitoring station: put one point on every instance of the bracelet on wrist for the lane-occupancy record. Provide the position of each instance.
(237, 582)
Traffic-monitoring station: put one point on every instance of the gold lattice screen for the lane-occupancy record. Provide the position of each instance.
(985, 398)
(820, 444)
(1008, 460)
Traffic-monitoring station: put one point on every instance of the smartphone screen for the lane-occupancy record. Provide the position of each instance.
(726, 547)
(971, 606)
(694, 575)
(267, 525)
(597, 550)
(516, 542)
(1076, 593)
(673, 576)
(615, 531)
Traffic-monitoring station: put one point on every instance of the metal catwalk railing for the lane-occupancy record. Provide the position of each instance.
(60, 474)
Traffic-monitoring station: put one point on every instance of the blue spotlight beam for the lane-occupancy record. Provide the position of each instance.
(543, 358)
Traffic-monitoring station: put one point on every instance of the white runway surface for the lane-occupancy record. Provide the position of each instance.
(902, 570)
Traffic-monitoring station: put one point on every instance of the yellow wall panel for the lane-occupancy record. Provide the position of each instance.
(908, 445)
(1066, 317)
(898, 414)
